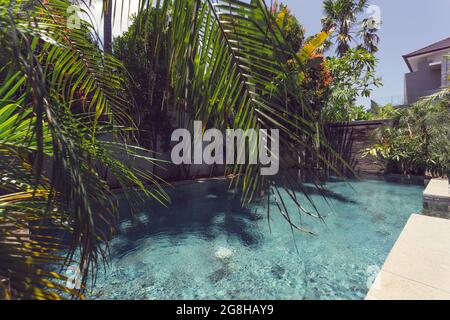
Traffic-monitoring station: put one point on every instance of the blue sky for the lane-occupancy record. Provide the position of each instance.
(408, 25)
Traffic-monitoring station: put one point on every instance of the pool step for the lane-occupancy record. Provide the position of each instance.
(436, 199)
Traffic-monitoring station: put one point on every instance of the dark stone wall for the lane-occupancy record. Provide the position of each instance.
(349, 139)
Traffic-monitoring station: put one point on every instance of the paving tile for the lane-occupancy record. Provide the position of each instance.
(389, 286)
(418, 266)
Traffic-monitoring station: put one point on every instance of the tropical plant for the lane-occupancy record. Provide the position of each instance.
(293, 31)
(418, 141)
(237, 45)
(354, 77)
(59, 94)
(385, 112)
(144, 52)
(343, 15)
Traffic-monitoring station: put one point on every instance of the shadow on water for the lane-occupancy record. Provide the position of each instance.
(205, 210)
(311, 190)
(311, 184)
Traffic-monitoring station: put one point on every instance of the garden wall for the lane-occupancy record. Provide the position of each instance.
(349, 139)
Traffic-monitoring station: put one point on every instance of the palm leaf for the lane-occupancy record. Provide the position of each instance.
(60, 92)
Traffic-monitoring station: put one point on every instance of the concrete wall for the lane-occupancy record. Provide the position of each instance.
(429, 73)
(421, 83)
(349, 139)
(445, 72)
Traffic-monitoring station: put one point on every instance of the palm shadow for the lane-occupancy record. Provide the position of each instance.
(205, 210)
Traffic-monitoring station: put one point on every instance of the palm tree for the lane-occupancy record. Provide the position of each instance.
(59, 94)
(342, 15)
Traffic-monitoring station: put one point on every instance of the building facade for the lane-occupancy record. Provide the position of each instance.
(429, 70)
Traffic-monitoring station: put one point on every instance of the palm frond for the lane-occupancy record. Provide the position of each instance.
(59, 93)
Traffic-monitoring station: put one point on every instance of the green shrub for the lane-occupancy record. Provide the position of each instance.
(418, 142)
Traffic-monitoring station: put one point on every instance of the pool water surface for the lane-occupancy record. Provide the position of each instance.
(206, 246)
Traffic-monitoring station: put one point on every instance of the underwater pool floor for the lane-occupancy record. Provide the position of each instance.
(205, 246)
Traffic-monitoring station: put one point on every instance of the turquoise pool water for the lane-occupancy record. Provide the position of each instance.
(205, 246)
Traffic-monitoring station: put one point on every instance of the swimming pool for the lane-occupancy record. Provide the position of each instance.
(205, 246)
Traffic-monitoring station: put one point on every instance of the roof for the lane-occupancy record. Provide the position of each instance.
(437, 46)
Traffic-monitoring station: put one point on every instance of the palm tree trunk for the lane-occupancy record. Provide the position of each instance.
(107, 27)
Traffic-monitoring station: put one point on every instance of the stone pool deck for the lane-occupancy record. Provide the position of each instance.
(418, 267)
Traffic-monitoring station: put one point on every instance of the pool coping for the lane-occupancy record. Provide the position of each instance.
(437, 189)
(436, 198)
(396, 178)
(177, 183)
(418, 266)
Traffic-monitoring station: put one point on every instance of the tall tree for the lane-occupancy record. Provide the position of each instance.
(344, 16)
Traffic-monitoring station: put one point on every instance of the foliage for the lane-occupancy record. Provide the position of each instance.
(227, 69)
(354, 76)
(378, 112)
(225, 64)
(292, 30)
(147, 62)
(343, 15)
(316, 83)
(144, 51)
(335, 89)
(313, 79)
(59, 95)
(419, 140)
